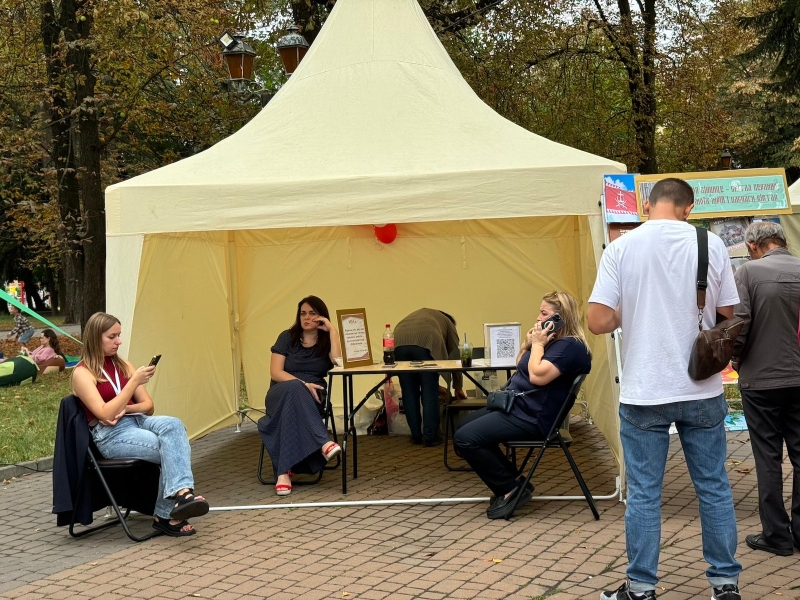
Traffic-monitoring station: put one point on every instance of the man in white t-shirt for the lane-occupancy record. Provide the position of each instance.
(646, 284)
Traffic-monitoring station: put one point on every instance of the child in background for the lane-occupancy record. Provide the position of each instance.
(23, 330)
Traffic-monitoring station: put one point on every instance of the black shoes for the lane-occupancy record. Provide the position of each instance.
(503, 506)
(437, 441)
(624, 592)
(726, 592)
(493, 500)
(756, 542)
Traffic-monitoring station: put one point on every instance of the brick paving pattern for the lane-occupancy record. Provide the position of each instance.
(550, 549)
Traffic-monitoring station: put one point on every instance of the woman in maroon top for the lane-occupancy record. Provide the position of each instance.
(119, 411)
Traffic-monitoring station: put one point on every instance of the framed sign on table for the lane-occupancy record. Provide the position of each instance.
(354, 336)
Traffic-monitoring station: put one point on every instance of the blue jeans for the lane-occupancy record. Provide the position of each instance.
(416, 387)
(160, 440)
(645, 441)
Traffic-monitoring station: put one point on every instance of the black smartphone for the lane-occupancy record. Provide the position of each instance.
(154, 360)
(417, 363)
(556, 320)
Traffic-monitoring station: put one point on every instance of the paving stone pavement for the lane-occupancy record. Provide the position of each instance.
(551, 549)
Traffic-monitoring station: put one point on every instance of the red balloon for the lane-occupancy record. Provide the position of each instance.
(386, 234)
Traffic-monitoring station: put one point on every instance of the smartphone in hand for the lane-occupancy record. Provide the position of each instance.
(154, 360)
(556, 320)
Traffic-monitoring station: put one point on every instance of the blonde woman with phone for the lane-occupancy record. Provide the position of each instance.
(120, 414)
(554, 353)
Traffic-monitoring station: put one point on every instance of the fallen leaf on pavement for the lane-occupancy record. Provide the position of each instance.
(745, 471)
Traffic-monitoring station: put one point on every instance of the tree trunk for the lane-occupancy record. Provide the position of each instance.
(63, 155)
(89, 152)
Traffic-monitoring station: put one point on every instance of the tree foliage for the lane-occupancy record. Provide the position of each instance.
(778, 31)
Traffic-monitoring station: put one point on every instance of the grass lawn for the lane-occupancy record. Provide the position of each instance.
(28, 417)
(7, 321)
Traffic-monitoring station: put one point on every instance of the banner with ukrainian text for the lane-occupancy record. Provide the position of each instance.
(744, 192)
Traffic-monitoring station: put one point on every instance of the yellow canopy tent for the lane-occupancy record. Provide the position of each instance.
(208, 257)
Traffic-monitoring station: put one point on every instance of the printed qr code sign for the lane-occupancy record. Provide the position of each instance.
(501, 341)
(505, 349)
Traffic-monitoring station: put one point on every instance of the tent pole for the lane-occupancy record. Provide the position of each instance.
(411, 501)
(233, 295)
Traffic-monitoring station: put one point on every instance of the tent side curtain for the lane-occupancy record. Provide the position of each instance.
(479, 271)
(183, 312)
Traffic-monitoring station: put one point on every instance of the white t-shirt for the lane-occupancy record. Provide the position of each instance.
(650, 273)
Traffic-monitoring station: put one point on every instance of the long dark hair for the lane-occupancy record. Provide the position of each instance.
(53, 339)
(323, 337)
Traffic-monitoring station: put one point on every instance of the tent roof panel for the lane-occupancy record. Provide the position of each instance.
(377, 119)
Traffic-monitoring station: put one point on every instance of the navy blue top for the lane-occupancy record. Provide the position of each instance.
(302, 362)
(541, 406)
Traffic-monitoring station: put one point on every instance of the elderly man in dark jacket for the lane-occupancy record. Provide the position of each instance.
(767, 356)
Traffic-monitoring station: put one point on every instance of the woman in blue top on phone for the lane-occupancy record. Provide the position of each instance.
(555, 352)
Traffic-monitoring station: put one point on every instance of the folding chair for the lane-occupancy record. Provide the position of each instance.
(327, 419)
(556, 438)
(450, 408)
(127, 482)
(123, 474)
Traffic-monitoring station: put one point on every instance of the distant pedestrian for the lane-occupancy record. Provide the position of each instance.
(767, 356)
(647, 284)
(23, 330)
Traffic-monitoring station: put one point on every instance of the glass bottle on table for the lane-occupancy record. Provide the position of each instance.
(388, 345)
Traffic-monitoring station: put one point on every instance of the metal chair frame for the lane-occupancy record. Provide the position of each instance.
(97, 466)
(328, 419)
(554, 439)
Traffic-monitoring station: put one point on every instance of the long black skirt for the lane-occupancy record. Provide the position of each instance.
(293, 431)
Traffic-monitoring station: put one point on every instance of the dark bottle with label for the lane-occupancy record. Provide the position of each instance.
(388, 346)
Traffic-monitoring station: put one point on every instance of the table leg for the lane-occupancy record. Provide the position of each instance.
(344, 433)
(355, 432)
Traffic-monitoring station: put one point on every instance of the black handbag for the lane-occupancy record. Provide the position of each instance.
(713, 348)
(503, 399)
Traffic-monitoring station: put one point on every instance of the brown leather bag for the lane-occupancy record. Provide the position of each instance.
(713, 348)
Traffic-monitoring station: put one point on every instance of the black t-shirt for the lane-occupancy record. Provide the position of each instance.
(541, 406)
(302, 362)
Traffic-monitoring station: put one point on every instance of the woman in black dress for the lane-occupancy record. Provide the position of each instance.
(293, 432)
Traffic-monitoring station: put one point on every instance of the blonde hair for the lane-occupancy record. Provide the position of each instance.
(566, 306)
(92, 355)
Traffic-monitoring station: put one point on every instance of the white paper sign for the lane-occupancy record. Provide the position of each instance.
(502, 341)
(354, 332)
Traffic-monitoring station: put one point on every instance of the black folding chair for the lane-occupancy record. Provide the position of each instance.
(131, 478)
(452, 407)
(556, 438)
(328, 418)
(127, 482)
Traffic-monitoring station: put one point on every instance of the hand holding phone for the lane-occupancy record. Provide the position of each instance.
(556, 323)
(154, 360)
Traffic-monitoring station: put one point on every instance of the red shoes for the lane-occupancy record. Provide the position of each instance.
(331, 451)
